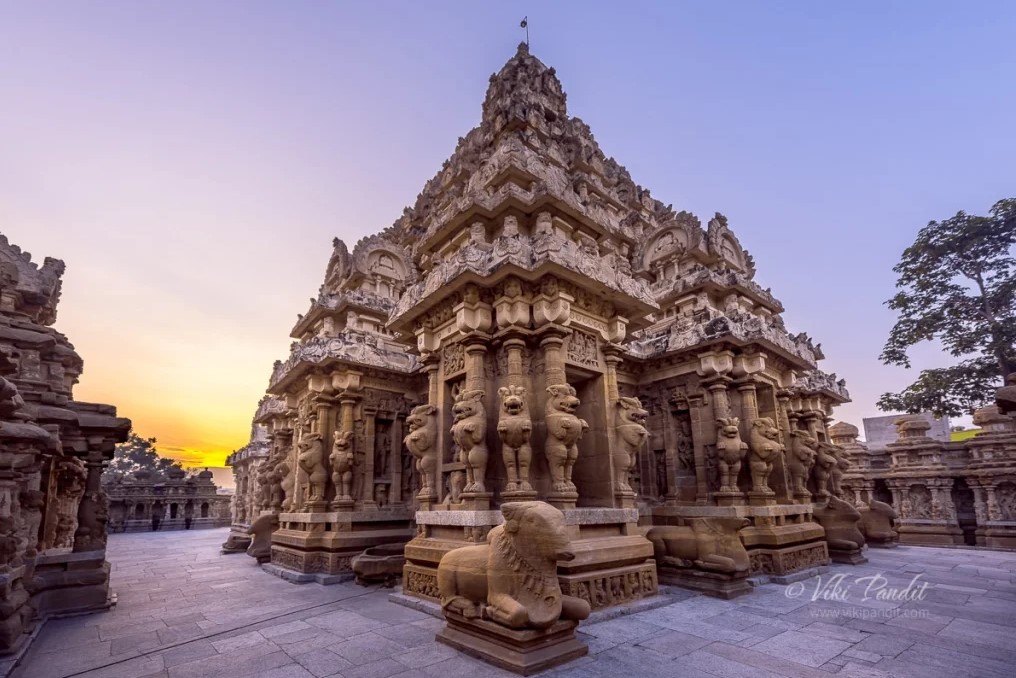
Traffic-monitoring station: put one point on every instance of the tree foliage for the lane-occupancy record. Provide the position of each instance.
(957, 285)
(135, 454)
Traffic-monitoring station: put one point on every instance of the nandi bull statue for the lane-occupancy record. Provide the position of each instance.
(707, 554)
(502, 600)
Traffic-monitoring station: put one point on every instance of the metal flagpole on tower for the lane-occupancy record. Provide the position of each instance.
(525, 25)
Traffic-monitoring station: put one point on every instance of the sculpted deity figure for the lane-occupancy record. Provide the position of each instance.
(564, 430)
(764, 443)
(512, 579)
(311, 461)
(514, 427)
(421, 444)
(470, 433)
(342, 459)
(631, 438)
(730, 451)
(800, 459)
(824, 464)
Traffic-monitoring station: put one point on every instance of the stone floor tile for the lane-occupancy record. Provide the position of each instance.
(407, 635)
(139, 642)
(674, 643)
(856, 670)
(223, 645)
(366, 648)
(322, 662)
(377, 669)
(284, 628)
(287, 671)
(802, 648)
(188, 652)
(722, 666)
(622, 629)
(835, 632)
(425, 656)
(138, 667)
(344, 623)
(231, 665)
(883, 645)
(765, 662)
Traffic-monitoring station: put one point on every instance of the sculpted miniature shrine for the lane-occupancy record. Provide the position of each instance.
(53, 511)
(539, 327)
(147, 501)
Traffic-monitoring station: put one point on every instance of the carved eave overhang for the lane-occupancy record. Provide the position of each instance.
(26, 288)
(816, 382)
(718, 282)
(338, 304)
(634, 303)
(269, 407)
(352, 349)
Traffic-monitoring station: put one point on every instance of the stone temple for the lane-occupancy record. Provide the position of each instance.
(539, 326)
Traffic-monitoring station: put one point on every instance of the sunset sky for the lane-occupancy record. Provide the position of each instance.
(192, 161)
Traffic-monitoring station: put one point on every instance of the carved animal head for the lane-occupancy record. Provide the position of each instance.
(536, 531)
(839, 511)
(562, 399)
(468, 404)
(765, 427)
(343, 441)
(513, 400)
(803, 443)
(630, 410)
(420, 416)
(726, 427)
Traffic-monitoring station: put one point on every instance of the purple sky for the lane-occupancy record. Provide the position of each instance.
(191, 161)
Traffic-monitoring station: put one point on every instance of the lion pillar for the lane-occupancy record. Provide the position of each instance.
(502, 600)
(515, 426)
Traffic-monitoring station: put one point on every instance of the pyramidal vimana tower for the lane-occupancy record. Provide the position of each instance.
(538, 326)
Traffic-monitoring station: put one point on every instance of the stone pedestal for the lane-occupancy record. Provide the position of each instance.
(715, 584)
(847, 557)
(613, 562)
(440, 532)
(522, 651)
(325, 543)
(238, 540)
(929, 532)
(727, 498)
(781, 540)
(71, 583)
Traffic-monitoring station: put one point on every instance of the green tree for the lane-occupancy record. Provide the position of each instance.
(957, 285)
(135, 454)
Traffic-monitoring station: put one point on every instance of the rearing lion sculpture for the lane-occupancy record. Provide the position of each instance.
(730, 451)
(514, 427)
(564, 430)
(631, 437)
(470, 433)
(765, 446)
(512, 579)
(420, 442)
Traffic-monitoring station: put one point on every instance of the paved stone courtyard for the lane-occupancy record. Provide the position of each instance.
(185, 611)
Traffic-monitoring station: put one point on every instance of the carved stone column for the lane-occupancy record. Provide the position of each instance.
(93, 510)
(395, 493)
(369, 427)
(475, 454)
(552, 343)
(701, 416)
(344, 427)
